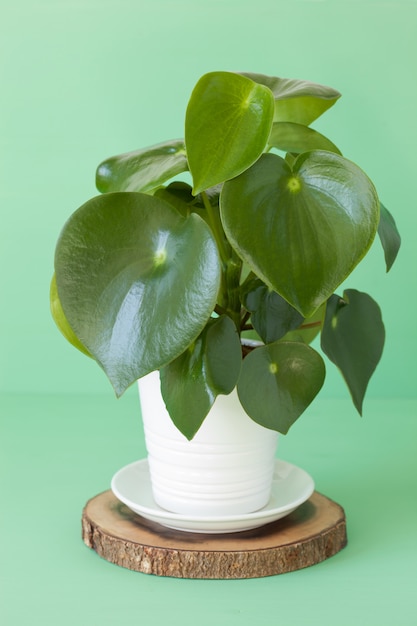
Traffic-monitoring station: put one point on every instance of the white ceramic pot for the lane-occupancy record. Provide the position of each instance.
(226, 469)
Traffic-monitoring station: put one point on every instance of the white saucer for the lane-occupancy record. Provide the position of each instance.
(291, 487)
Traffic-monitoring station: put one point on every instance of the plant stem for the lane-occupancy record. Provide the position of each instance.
(311, 325)
(233, 272)
(217, 229)
(231, 265)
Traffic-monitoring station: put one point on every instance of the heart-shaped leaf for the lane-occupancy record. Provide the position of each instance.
(301, 230)
(142, 170)
(137, 282)
(278, 382)
(272, 317)
(210, 366)
(61, 321)
(227, 126)
(353, 338)
(389, 236)
(298, 101)
(297, 138)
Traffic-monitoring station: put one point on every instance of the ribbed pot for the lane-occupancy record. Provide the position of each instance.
(226, 469)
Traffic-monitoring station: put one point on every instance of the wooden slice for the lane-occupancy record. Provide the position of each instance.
(311, 534)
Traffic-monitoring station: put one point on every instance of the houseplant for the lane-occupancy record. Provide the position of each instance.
(159, 274)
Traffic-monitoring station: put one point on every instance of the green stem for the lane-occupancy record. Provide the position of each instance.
(231, 265)
(233, 273)
(216, 227)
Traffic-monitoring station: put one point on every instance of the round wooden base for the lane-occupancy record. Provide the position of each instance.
(311, 534)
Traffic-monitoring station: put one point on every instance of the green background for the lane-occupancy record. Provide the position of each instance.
(82, 80)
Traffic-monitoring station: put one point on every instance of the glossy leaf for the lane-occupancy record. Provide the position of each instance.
(271, 316)
(301, 230)
(227, 126)
(353, 338)
(142, 170)
(178, 194)
(61, 321)
(298, 101)
(137, 282)
(278, 382)
(209, 367)
(297, 138)
(389, 236)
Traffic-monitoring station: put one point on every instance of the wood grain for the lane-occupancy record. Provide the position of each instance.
(311, 534)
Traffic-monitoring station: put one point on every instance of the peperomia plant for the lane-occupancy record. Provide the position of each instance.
(158, 274)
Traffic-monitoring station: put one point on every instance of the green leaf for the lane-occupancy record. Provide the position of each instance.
(272, 317)
(227, 126)
(278, 382)
(353, 338)
(210, 366)
(178, 194)
(298, 101)
(389, 236)
(61, 321)
(142, 170)
(137, 282)
(301, 230)
(297, 138)
(309, 329)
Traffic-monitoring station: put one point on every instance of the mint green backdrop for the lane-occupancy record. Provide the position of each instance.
(81, 80)
(86, 80)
